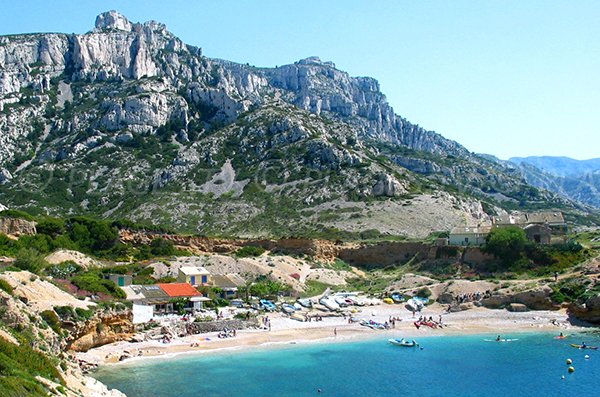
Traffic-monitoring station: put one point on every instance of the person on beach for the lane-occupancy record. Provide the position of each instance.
(498, 338)
(335, 332)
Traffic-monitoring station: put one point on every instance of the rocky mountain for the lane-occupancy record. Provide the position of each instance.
(127, 121)
(577, 180)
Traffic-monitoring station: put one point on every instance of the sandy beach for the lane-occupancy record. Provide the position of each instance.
(331, 329)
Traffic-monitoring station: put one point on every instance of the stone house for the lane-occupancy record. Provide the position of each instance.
(468, 235)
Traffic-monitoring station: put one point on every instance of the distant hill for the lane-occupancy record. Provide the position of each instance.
(576, 179)
(560, 166)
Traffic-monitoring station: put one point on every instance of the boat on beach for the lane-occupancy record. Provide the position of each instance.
(329, 303)
(403, 342)
(305, 302)
(414, 305)
(287, 308)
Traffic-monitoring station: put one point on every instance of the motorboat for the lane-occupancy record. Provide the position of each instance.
(287, 308)
(329, 303)
(397, 298)
(414, 305)
(267, 305)
(305, 302)
(403, 342)
(340, 300)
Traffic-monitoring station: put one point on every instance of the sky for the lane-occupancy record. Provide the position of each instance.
(508, 78)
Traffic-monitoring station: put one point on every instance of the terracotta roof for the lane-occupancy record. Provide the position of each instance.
(175, 290)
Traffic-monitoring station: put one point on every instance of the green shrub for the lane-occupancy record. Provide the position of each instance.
(51, 318)
(249, 251)
(30, 260)
(63, 270)
(424, 292)
(93, 282)
(161, 247)
(6, 287)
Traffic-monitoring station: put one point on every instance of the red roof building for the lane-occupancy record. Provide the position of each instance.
(179, 290)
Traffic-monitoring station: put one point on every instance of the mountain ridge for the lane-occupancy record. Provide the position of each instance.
(128, 121)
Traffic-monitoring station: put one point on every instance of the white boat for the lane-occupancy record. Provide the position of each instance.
(415, 305)
(403, 342)
(287, 308)
(340, 300)
(329, 303)
(305, 302)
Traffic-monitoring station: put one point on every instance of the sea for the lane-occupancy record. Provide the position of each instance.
(475, 365)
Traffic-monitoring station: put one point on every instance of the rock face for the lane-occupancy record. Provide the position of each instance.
(16, 227)
(102, 329)
(128, 121)
(588, 310)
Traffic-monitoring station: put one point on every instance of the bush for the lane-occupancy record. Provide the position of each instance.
(63, 270)
(161, 247)
(6, 287)
(506, 244)
(30, 260)
(424, 292)
(93, 282)
(249, 251)
(51, 318)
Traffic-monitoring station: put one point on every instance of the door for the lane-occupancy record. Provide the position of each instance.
(193, 280)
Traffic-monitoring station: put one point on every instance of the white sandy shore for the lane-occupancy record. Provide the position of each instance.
(285, 331)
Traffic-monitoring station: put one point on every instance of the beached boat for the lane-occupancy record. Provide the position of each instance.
(305, 302)
(397, 298)
(584, 346)
(287, 308)
(389, 301)
(267, 305)
(403, 342)
(329, 303)
(340, 300)
(414, 305)
(356, 301)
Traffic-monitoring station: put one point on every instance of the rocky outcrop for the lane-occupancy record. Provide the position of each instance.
(589, 310)
(388, 186)
(104, 328)
(16, 227)
(535, 298)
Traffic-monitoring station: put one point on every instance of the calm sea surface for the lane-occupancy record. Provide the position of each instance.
(533, 365)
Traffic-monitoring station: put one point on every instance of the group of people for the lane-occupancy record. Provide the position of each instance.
(472, 297)
(227, 333)
(430, 322)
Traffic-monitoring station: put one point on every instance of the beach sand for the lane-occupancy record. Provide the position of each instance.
(287, 331)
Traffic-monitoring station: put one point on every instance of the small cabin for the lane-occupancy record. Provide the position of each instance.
(196, 276)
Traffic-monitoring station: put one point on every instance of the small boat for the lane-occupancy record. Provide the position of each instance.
(500, 340)
(414, 305)
(340, 300)
(329, 303)
(267, 305)
(287, 308)
(397, 298)
(560, 337)
(297, 306)
(389, 301)
(305, 302)
(584, 346)
(403, 342)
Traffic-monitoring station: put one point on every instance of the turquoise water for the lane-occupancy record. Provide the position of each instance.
(446, 366)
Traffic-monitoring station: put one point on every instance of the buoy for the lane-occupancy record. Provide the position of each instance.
(569, 361)
(586, 357)
(571, 369)
(562, 377)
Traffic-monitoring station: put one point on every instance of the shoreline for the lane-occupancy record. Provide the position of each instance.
(287, 332)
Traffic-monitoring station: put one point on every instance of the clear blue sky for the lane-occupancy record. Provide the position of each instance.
(509, 78)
